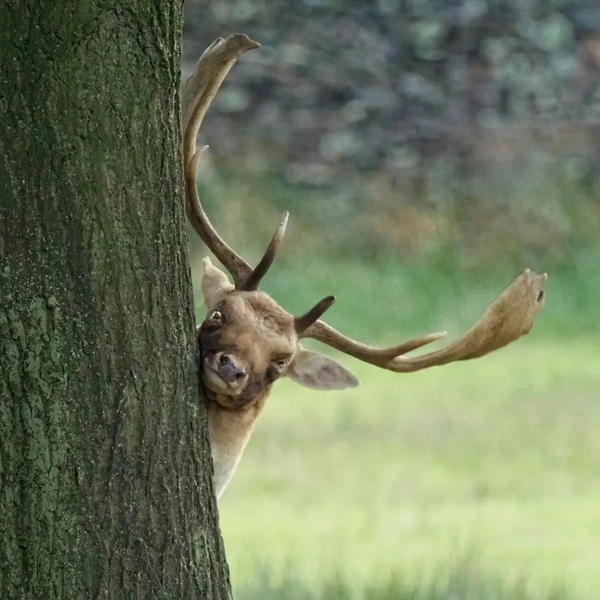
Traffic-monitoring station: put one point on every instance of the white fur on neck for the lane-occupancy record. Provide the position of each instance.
(230, 431)
(226, 458)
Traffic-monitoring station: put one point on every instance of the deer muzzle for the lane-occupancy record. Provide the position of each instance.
(230, 370)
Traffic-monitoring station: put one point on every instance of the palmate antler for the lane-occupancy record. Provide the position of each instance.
(509, 317)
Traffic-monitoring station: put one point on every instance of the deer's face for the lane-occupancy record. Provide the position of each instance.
(247, 342)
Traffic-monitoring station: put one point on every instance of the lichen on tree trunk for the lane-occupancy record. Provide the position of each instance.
(105, 469)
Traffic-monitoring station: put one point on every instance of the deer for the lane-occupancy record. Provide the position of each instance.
(247, 341)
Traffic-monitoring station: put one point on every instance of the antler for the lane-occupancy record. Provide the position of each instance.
(509, 317)
(197, 95)
(302, 323)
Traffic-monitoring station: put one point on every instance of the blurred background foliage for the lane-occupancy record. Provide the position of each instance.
(427, 150)
(414, 127)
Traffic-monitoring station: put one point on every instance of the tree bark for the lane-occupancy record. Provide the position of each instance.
(105, 468)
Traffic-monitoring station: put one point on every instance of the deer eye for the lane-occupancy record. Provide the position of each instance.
(273, 372)
(281, 362)
(213, 321)
(276, 367)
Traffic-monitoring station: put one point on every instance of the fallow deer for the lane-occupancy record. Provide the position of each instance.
(247, 341)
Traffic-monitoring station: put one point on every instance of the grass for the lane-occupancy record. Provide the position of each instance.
(478, 480)
(495, 460)
(461, 584)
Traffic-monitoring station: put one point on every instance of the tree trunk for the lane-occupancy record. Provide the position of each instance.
(105, 469)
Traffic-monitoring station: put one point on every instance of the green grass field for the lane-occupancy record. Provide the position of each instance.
(478, 480)
(493, 462)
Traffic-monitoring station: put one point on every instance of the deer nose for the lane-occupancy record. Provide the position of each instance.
(228, 370)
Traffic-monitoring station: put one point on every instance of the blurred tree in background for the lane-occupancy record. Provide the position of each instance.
(414, 126)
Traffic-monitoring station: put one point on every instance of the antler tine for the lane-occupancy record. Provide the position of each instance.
(302, 323)
(197, 95)
(509, 317)
(253, 281)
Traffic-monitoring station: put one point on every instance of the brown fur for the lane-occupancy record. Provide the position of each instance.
(257, 333)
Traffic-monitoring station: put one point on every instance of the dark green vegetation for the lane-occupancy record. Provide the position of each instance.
(105, 474)
(421, 128)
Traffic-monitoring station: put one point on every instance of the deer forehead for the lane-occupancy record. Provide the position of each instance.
(254, 320)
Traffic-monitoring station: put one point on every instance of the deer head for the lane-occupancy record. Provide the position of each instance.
(247, 341)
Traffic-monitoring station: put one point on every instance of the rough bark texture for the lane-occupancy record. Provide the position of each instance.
(105, 471)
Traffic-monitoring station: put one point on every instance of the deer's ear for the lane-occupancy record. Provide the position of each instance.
(215, 284)
(319, 372)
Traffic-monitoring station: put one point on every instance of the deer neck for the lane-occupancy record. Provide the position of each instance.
(230, 430)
